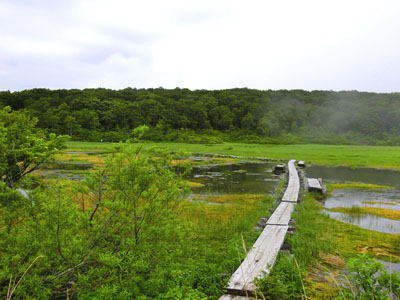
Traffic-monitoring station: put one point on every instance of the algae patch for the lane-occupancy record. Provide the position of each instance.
(379, 202)
(355, 185)
(380, 212)
(193, 184)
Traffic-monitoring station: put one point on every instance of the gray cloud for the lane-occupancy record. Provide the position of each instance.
(309, 44)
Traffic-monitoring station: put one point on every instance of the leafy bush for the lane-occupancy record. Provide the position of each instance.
(23, 147)
(108, 238)
(369, 280)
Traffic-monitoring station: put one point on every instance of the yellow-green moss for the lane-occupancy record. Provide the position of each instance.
(354, 185)
(194, 184)
(379, 202)
(377, 211)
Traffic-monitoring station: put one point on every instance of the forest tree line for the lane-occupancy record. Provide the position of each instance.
(247, 115)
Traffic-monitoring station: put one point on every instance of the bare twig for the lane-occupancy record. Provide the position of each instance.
(99, 197)
(10, 293)
(59, 274)
(9, 285)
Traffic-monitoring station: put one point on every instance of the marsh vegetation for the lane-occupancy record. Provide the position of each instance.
(130, 220)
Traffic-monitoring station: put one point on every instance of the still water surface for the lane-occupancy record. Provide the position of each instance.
(357, 197)
(241, 178)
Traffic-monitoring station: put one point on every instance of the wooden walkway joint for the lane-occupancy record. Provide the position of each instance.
(261, 258)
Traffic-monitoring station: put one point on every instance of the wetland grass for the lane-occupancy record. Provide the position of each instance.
(379, 202)
(355, 209)
(355, 185)
(194, 184)
(332, 155)
(322, 245)
(377, 211)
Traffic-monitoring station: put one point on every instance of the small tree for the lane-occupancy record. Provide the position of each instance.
(117, 236)
(23, 147)
(139, 132)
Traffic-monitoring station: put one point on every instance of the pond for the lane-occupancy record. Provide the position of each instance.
(370, 222)
(365, 175)
(239, 178)
(390, 266)
(247, 177)
(361, 197)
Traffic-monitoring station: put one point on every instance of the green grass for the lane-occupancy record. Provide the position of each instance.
(376, 211)
(322, 245)
(333, 155)
(355, 185)
(317, 231)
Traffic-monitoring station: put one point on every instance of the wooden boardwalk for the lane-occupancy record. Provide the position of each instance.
(233, 297)
(262, 255)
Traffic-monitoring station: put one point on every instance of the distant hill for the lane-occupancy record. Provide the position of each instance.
(283, 116)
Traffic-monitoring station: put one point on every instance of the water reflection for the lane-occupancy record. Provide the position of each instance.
(365, 175)
(241, 178)
(391, 267)
(358, 197)
(370, 222)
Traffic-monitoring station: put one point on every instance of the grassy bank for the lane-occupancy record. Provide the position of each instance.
(333, 155)
(321, 247)
(376, 211)
(355, 185)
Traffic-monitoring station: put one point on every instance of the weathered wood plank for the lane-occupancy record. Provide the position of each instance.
(314, 184)
(278, 169)
(281, 215)
(233, 297)
(292, 190)
(262, 255)
(260, 258)
(301, 164)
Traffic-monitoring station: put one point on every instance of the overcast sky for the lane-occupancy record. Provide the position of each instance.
(277, 44)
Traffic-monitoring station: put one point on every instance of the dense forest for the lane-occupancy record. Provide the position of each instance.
(284, 116)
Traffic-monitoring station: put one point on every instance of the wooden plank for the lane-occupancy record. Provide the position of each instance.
(260, 259)
(301, 164)
(314, 184)
(278, 169)
(282, 213)
(262, 255)
(292, 190)
(233, 297)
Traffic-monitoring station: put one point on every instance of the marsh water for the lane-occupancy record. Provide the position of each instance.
(239, 178)
(364, 175)
(257, 178)
(361, 197)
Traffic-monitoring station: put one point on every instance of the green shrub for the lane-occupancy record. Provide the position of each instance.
(369, 280)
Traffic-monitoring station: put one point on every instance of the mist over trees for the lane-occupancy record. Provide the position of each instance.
(283, 116)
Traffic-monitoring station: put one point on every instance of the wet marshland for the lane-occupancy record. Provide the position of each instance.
(385, 198)
(256, 177)
(238, 178)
